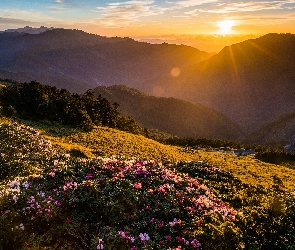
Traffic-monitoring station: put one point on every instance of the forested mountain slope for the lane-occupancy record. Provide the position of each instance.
(171, 115)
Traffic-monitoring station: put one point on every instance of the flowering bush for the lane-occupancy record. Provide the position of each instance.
(50, 200)
(99, 203)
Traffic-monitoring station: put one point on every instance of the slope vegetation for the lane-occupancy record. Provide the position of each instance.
(108, 142)
(170, 115)
(52, 200)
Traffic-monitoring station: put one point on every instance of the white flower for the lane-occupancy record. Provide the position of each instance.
(15, 183)
(15, 198)
(144, 237)
(25, 184)
(42, 194)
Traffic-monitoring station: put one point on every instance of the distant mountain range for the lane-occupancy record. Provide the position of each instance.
(78, 61)
(251, 83)
(171, 115)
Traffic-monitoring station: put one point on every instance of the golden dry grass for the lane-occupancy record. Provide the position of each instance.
(106, 142)
(251, 170)
(103, 141)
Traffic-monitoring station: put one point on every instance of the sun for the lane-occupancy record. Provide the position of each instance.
(225, 26)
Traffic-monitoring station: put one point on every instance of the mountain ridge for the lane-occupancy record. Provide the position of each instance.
(170, 115)
(96, 60)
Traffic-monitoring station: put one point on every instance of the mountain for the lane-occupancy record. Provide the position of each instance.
(76, 60)
(280, 132)
(170, 115)
(251, 82)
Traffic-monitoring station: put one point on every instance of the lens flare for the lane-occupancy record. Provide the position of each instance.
(175, 72)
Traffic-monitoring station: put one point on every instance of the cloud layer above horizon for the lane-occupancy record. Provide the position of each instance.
(133, 17)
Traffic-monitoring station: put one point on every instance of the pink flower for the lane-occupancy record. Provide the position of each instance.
(57, 203)
(88, 176)
(122, 234)
(137, 185)
(161, 224)
(100, 246)
(52, 174)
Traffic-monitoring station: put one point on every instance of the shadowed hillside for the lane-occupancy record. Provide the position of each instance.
(173, 116)
(77, 60)
(251, 82)
(279, 132)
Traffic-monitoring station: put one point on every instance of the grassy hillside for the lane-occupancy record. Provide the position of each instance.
(252, 171)
(52, 200)
(107, 142)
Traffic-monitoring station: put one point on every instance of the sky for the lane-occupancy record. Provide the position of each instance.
(152, 17)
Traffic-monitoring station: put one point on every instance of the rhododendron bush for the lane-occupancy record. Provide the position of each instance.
(50, 200)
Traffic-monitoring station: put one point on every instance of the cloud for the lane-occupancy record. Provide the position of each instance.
(192, 13)
(249, 6)
(119, 13)
(12, 23)
(191, 3)
(64, 6)
(26, 15)
(68, 3)
(57, 9)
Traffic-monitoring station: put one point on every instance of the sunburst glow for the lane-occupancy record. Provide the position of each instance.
(225, 26)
